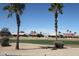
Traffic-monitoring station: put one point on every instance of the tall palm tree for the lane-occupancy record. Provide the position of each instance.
(67, 33)
(75, 32)
(17, 9)
(67, 30)
(59, 33)
(70, 31)
(57, 9)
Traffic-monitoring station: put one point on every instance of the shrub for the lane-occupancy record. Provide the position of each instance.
(59, 44)
(5, 41)
(4, 33)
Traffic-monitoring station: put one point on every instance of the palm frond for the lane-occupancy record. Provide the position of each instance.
(60, 7)
(56, 7)
(18, 7)
(6, 8)
(15, 8)
(10, 14)
(50, 9)
(60, 11)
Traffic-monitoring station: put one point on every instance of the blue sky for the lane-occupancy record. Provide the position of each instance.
(37, 17)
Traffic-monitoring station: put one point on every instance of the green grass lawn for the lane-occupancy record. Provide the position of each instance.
(45, 42)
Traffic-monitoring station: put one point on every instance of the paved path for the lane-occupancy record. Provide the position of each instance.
(37, 50)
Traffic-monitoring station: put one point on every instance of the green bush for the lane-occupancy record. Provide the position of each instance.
(5, 41)
(5, 34)
(59, 44)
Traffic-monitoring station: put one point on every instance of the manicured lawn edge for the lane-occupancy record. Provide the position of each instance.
(44, 42)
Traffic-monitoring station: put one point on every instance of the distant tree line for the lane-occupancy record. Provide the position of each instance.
(5, 31)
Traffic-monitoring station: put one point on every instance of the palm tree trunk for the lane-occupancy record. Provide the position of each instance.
(56, 26)
(18, 27)
(17, 41)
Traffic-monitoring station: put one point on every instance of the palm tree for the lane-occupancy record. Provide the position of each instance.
(70, 31)
(17, 9)
(59, 33)
(57, 9)
(75, 32)
(67, 31)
